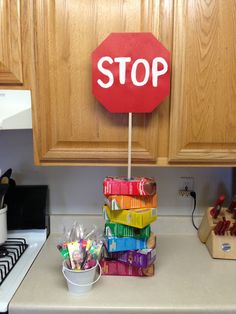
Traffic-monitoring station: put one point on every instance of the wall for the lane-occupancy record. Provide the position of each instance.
(79, 189)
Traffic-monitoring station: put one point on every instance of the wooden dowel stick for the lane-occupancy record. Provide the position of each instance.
(129, 145)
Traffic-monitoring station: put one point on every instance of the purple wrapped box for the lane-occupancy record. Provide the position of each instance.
(141, 258)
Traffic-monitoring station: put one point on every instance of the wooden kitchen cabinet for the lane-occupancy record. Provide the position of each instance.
(203, 98)
(70, 126)
(16, 45)
(46, 45)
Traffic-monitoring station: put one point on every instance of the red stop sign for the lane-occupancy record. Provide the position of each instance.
(130, 72)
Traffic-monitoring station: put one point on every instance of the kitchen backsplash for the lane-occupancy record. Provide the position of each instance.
(78, 190)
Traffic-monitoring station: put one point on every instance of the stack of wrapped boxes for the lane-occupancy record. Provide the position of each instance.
(130, 207)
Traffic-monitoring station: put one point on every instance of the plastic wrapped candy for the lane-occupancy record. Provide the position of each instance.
(81, 247)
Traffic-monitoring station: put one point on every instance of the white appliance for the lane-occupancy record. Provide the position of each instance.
(15, 265)
(28, 227)
(15, 109)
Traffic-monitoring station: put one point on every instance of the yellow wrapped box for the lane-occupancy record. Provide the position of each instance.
(138, 218)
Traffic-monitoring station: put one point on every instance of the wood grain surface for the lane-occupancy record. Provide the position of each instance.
(203, 111)
(71, 125)
(10, 43)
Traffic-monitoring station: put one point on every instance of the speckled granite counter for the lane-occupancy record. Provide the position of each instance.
(187, 280)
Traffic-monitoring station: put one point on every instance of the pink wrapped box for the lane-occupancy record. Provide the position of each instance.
(116, 268)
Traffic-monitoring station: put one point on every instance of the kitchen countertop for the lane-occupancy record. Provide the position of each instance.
(187, 280)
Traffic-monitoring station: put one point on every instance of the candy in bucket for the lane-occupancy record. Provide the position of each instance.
(81, 249)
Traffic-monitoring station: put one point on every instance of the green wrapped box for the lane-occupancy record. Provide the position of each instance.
(113, 229)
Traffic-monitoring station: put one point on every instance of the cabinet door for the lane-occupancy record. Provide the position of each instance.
(16, 50)
(10, 43)
(203, 110)
(70, 126)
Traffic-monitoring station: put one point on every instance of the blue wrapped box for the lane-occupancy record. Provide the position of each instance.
(115, 244)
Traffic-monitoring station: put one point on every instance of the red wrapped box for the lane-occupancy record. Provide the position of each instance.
(123, 186)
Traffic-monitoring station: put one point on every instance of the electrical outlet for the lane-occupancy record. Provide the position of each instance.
(186, 185)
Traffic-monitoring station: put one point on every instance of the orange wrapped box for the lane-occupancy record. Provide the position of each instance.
(116, 202)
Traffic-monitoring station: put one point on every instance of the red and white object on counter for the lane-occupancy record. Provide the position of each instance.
(215, 211)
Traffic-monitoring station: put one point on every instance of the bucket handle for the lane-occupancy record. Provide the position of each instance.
(85, 285)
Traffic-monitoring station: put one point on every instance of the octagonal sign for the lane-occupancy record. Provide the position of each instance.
(130, 72)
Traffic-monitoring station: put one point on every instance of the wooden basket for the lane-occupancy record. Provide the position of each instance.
(219, 246)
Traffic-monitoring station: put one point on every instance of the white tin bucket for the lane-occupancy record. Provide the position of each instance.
(3, 224)
(79, 282)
